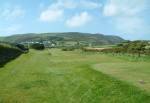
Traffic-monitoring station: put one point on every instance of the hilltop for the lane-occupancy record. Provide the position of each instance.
(63, 37)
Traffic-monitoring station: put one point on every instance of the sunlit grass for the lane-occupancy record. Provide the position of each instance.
(137, 73)
(64, 77)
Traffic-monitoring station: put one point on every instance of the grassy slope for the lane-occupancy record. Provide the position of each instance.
(63, 77)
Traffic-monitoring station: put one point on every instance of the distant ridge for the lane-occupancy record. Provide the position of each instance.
(65, 36)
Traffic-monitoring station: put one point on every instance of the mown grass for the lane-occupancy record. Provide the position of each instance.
(64, 77)
(137, 73)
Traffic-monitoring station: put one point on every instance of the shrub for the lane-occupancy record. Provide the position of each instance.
(38, 46)
(134, 48)
(22, 48)
(8, 53)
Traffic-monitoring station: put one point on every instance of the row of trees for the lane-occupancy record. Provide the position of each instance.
(134, 48)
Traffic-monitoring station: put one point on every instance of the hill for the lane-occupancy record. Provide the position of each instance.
(96, 39)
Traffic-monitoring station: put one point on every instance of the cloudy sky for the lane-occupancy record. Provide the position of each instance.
(129, 19)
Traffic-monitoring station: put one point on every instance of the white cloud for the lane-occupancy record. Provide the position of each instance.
(110, 10)
(123, 8)
(72, 4)
(89, 4)
(51, 15)
(11, 13)
(79, 20)
(126, 15)
(56, 11)
(64, 4)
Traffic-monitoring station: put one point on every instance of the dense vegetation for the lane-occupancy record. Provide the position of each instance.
(38, 46)
(61, 38)
(22, 47)
(9, 52)
(131, 47)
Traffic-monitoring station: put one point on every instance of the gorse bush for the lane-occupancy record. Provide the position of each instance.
(134, 48)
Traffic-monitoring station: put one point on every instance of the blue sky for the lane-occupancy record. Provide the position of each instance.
(129, 19)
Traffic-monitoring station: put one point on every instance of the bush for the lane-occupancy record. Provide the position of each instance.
(8, 53)
(134, 48)
(22, 48)
(38, 46)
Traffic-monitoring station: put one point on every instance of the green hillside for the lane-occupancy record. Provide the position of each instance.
(96, 39)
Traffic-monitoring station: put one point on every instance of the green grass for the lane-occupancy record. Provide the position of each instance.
(64, 77)
(132, 58)
(137, 73)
